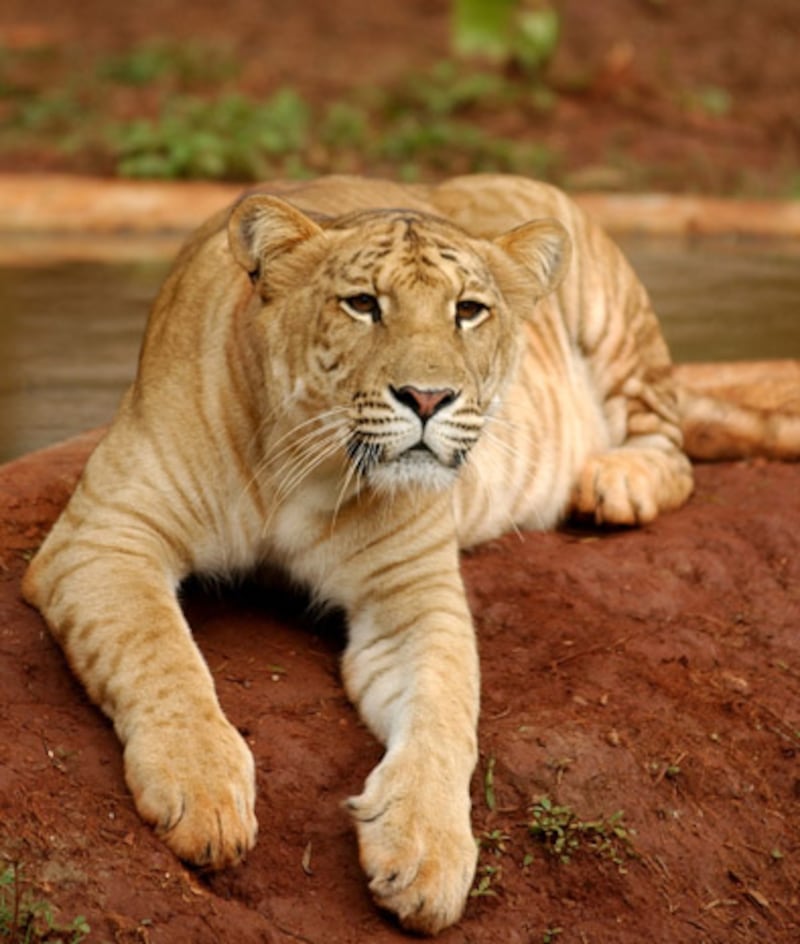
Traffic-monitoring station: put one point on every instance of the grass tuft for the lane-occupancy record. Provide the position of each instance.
(563, 834)
(26, 920)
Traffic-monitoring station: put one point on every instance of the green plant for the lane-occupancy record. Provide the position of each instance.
(50, 111)
(456, 146)
(506, 31)
(563, 833)
(488, 783)
(228, 137)
(551, 934)
(536, 38)
(168, 123)
(441, 121)
(494, 841)
(24, 920)
(710, 100)
(487, 879)
(447, 88)
(482, 26)
(186, 63)
(344, 126)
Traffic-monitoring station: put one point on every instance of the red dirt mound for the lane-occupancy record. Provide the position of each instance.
(654, 672)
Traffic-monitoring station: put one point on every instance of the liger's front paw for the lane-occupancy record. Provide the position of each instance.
(416, 847)
(196, 786)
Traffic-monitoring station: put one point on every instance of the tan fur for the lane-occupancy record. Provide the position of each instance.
(289, 363)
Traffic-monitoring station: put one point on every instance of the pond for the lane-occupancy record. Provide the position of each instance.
(70, 332)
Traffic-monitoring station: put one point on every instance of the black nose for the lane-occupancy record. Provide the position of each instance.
(423, 402)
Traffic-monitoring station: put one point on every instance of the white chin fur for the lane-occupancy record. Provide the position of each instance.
(412, 470)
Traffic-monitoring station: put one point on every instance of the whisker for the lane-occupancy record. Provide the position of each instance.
(317, 418)
(308, 460)
(266, 421)
(300, 444)
(506, 423)
(269, 419)
(352, 470)
(505, 447)
(490, 493)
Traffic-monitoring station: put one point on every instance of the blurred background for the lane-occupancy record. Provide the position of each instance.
(673, 95)
(676, 96)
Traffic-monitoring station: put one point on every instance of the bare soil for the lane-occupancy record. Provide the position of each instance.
(652, 671)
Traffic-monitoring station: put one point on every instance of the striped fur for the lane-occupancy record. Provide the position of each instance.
(351, 393)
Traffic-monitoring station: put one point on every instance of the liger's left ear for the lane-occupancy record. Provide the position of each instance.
(543, 247)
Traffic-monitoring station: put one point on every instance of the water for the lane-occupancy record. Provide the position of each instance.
(722, 300)
(69, 338)
(70, 333)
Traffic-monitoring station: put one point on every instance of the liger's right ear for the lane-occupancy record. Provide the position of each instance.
(262, 227)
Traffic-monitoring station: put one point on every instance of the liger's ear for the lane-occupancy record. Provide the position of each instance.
(261, 227)
(543, 247)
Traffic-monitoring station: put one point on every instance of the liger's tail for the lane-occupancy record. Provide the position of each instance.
(737, 410)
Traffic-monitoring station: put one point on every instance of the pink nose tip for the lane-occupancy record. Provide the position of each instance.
(424, 402)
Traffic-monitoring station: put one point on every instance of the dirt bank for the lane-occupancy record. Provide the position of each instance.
(654, 671)
(642, 94)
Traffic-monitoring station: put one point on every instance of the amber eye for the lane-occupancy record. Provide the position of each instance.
(362, 307)
(470, 313)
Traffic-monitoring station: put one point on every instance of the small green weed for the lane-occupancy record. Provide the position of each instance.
(488, 784)
(52, 112)
(551, 934)
(536, 38)
(344, 126)
(185, 64)
(709, 100)
(24, 920)
(448, 88)
(487, 879)
(488, 876)
(458, 145)
(229, 137)
(494, 841)
(506, 31)
(164, 110)
(563, 833)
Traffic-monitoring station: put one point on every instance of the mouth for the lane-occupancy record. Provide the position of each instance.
(367, 456)
(416, 466)
(420, 449)
(423, 453)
